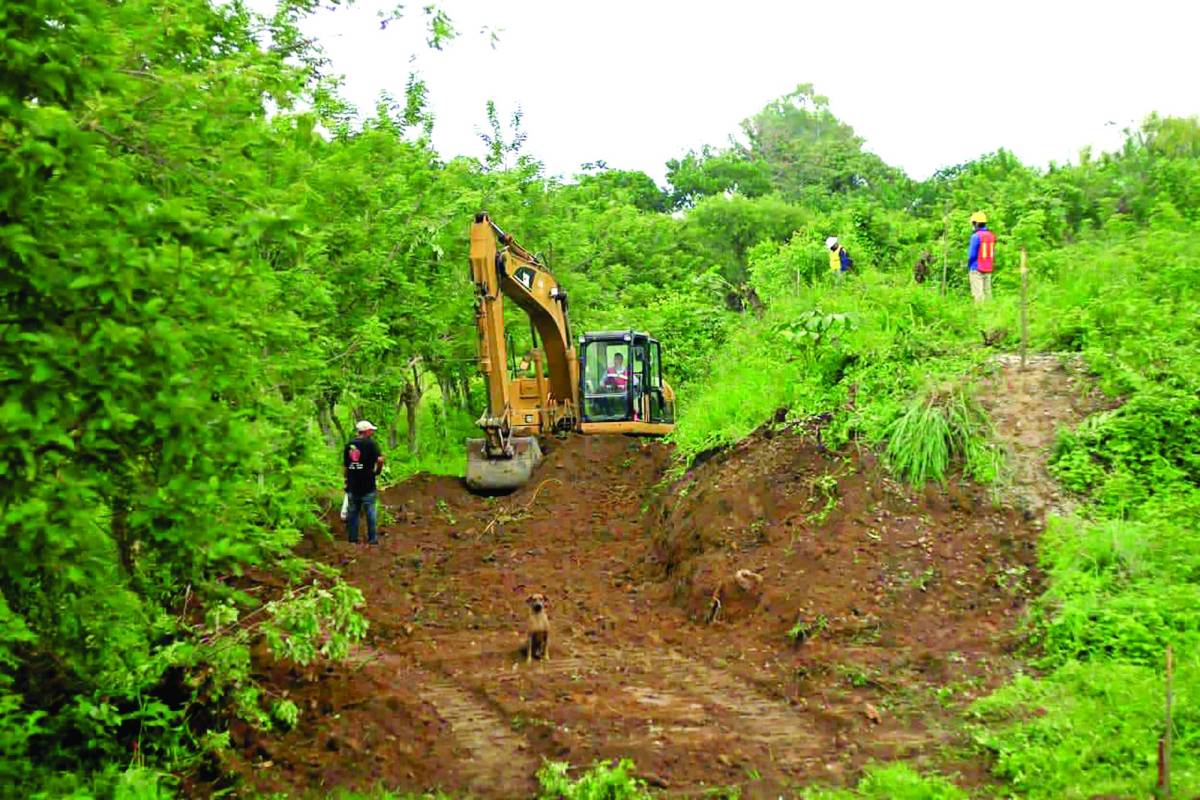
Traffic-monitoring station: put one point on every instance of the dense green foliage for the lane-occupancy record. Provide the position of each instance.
(150, 350)
(1124, 578)
(893, 782)
(602, 782)
(213, 266)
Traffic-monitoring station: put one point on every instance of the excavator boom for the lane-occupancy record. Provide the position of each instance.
(623, 391)
(522, 408)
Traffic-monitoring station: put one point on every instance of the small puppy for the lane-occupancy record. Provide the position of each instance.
(539, 628)
(747, 580)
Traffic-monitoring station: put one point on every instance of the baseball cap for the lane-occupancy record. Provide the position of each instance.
(831, 241)
(364, 425)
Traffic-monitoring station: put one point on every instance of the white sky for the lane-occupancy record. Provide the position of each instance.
(637, 83)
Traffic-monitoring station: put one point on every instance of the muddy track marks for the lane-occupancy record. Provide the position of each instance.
(498, 762)
(495, 761)
(790, 736)
(670, 680)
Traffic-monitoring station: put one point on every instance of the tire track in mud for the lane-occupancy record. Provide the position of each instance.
(499, 763)
(670, 679)
(791, 738)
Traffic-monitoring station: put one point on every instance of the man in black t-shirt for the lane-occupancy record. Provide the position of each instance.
(362, 461)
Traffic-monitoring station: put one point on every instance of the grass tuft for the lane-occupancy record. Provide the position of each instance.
(938, 428)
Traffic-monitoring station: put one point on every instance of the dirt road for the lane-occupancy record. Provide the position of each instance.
(879, 613)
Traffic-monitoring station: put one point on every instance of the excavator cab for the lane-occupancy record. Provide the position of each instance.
(621, 384)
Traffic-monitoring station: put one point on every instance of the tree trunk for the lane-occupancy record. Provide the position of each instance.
(119, 528)
(438, 410)
(356, 413)
(411, 397)
(333, 417)
(465, 387)
(326, 424)
(410, 408)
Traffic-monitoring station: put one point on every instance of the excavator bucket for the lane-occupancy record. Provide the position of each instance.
(502, 474)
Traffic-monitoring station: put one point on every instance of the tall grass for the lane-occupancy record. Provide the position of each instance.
(901, 333)
(751, 381)
(939, 427)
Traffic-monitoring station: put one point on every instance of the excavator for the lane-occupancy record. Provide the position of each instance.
(613, 383)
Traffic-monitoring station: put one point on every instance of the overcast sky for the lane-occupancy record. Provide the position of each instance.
(927, 84)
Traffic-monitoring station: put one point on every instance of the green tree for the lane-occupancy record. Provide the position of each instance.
(150, 450)
(712, 172)
(812, 155)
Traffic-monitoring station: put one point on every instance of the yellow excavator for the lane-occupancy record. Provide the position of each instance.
(612, 384)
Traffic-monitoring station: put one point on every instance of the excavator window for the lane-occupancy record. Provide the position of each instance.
(660, 409)
(608, 379)
(524, 276)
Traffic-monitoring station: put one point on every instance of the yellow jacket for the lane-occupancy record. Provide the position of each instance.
(836, 256)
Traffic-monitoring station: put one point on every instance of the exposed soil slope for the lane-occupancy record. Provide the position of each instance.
(1028, 406)
(900, 604)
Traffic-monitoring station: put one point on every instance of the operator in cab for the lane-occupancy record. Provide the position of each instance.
(617, 377)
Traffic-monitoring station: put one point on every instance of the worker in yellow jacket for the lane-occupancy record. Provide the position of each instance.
(840, 261)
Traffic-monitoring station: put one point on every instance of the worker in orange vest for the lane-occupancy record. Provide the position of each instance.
(981, 256)
(617, 377)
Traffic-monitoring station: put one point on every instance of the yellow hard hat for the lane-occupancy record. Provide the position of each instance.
(979, 217)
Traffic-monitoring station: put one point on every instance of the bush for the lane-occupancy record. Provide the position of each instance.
(1123, 457)
(604, 781)
(1119, 589)
(892, 782)
(1092, 728)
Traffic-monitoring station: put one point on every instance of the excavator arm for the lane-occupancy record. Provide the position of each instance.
(518, 408)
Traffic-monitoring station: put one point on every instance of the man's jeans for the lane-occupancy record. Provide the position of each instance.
(365, 503)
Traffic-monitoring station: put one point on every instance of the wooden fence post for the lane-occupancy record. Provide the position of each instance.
(945, 257)
(1164, 744)
(1024, 307)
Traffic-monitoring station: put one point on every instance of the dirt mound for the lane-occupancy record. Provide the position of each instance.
(846, 554)
(872, 601)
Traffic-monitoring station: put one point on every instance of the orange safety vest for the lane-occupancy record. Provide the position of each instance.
(619, 379)
(987, 250)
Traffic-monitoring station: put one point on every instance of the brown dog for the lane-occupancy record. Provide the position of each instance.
(744, 586)
(539, 628)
